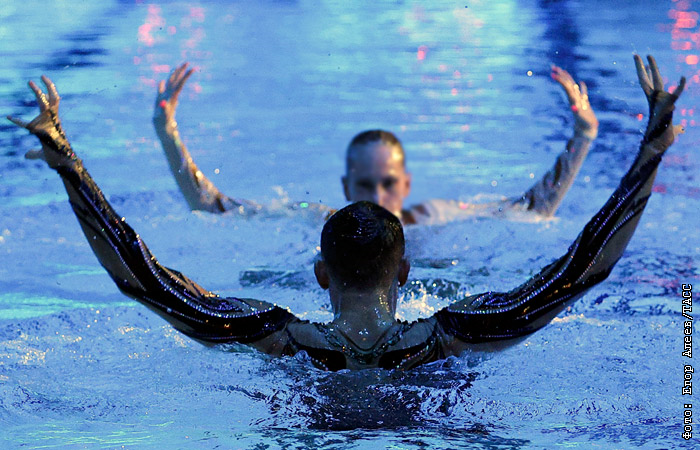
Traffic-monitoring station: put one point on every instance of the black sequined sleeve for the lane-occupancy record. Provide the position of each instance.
(191, 309)
(495, 316)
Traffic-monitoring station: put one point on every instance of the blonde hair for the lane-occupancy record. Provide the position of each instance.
(365, 137)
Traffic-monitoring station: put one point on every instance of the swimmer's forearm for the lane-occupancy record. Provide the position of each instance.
(604, 239)
(545, 196)
(199, 192)
(102, 227)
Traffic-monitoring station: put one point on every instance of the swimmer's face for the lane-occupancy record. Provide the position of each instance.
(376, 173)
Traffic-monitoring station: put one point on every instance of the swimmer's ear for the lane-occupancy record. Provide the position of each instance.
(346, 188)
(321, 273)
(404, 268)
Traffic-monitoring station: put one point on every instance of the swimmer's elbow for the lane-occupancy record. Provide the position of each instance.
(546, 213)
(545, 209)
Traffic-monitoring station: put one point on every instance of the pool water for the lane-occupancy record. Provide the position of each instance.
(280, 88)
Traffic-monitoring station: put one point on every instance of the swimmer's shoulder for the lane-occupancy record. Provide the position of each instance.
(312, 338)
(435, 211)
(414, 333)
(309, 334)
(419, 343)
(440, 211)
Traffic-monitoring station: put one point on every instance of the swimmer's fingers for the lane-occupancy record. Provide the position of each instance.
(655, 74)
(19, 122)
(567, 82)
(46, 103)
(577, 93)
(54, 98)
(35, 154)
(173, 75)
(181, 69)
(643, 76)
(47, 121)
(188, 74)
(584, 90)
(31, 154)
(562, 76)
(176, 75)
(165, 87)
(678, 130)
(177, 88)
(40, 97)
(679, 90)
(661, 133)
(169, 91)
(586, 123)
(663, 103)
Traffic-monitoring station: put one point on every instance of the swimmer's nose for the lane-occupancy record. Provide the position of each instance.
(380, 197)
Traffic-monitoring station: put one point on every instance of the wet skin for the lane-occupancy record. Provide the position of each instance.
(376, 173)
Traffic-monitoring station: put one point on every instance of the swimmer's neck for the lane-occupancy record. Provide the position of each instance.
(364, 316)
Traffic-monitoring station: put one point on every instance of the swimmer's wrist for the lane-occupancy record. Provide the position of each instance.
(165, 128)
(162, 120)
(59, 155)
(589, 134)
(57, 151)
(654, 148)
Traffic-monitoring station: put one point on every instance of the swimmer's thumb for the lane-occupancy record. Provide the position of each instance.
(35, 154)
(678, 129)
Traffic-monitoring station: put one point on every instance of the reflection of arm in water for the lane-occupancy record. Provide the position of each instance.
(191, 309)
(199, 191)
(490, 317)
(546, 194)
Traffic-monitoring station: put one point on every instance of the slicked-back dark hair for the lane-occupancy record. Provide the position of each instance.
(362, 245)
(365, 137)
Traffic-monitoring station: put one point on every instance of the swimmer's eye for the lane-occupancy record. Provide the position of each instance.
(366, 185)
(389, 183)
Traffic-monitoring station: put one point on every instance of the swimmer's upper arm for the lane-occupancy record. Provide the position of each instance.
(296, 335)
(189, 307)
(439, 211)
(211, 319)
(494, 321)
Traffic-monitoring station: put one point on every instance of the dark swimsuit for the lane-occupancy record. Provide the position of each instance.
(477, 319)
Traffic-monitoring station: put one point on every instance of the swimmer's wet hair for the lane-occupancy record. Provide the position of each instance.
(366, 137)
(373, 136)
(362, 245)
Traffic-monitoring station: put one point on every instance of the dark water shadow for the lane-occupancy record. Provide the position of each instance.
(421, 408)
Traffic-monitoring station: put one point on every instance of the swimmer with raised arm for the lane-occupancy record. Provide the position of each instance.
(362, 266)
(376, 165)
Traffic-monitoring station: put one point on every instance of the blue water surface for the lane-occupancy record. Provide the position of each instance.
(280, 88)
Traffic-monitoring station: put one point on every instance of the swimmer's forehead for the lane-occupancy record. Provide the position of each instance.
(375, 156)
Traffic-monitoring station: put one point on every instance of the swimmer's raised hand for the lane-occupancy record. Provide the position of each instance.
(660, 132)
(168, 92)
(586, 122)
(55, 149)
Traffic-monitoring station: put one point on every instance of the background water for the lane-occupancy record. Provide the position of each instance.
(280, 89)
